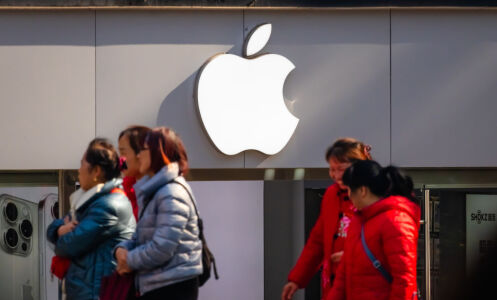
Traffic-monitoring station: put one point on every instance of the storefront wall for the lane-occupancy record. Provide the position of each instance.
(419, 86)
(47, 83)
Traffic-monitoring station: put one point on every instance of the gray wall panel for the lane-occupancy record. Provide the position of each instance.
(284, 233)
(444, 89)
(443, 82)
(340, 86)
(47, 76)
(146, 66)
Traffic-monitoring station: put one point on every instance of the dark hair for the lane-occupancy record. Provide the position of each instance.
(166, 147)
(382, 182)
(136, 135)
(100, 152)
(348, 150)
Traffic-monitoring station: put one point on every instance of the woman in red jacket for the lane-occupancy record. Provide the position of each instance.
(131, 142)
(324, 248)
(388, 220)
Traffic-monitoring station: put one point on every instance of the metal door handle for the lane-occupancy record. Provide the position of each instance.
(427, 223)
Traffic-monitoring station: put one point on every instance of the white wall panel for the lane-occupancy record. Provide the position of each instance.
(340, 84)
(442, 74)
(47, 106)
(234, 227)
(146, 68)
(444, 88)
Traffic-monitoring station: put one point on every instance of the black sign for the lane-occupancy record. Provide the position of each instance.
(488, 246)
(255, 3)
(480, 217)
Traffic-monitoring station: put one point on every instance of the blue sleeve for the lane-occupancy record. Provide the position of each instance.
(96, 227)
(127, 244)
(52, 234)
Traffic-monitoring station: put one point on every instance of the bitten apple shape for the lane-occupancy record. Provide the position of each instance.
(240, 100)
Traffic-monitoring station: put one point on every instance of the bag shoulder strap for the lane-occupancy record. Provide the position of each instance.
(145, 204)
(189, 195)
(201, 229)
(376, 263)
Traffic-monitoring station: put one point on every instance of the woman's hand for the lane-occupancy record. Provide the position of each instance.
(336, 257)
(122, 263)
(67, 227)
(288, 290)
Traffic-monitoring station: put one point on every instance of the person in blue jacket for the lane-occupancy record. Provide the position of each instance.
(100, 217)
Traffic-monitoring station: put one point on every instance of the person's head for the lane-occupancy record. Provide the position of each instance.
(131, 141)
(100, 163)
(342, 154)
(162, 147)
(367, 182)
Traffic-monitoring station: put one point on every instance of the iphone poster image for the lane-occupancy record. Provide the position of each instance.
(23, 275)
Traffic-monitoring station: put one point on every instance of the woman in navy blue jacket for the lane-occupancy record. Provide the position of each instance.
(100, 217)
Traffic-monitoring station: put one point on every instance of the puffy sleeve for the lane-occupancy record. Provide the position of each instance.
(172, 217)
(400, 236)
(95, 228)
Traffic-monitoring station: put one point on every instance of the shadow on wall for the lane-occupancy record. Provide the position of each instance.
(340, 76)
(179, 111)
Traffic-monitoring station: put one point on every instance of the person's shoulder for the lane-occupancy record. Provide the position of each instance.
(111, 201)
(334, 188)
(331, 192)
(172, 189)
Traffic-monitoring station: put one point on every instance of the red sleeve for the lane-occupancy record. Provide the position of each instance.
(399, 236)
(128, 183)
(338, 289)
(311, 257)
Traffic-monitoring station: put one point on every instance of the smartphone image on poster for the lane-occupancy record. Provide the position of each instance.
(19, 249)
(48, 211)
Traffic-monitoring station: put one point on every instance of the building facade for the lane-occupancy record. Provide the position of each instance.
(417, 84)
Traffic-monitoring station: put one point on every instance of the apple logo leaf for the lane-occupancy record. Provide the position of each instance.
(257, 39)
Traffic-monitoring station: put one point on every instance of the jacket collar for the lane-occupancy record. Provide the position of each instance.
(105, 189)
(147, 186)
(391, 203)
(80, 197)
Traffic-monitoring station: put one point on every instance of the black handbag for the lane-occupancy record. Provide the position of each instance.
(208, 260)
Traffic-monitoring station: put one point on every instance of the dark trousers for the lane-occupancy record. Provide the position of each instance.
(184, 290)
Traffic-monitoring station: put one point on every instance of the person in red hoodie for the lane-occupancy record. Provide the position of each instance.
(324, 248)
(130, 142)
(384, 231)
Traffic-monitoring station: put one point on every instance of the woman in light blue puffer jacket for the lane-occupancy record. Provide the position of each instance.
(165, 252)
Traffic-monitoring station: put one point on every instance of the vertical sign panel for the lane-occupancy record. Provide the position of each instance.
(481, 228)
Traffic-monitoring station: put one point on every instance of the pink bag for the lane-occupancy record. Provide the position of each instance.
(117, 287)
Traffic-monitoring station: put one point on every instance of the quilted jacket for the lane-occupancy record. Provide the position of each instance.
(104, 220)
(391, 228)
(165, 248)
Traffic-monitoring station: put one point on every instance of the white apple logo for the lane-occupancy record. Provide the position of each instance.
(240, 100)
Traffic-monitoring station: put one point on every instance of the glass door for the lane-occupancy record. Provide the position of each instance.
(458, 231)
(423, 250)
